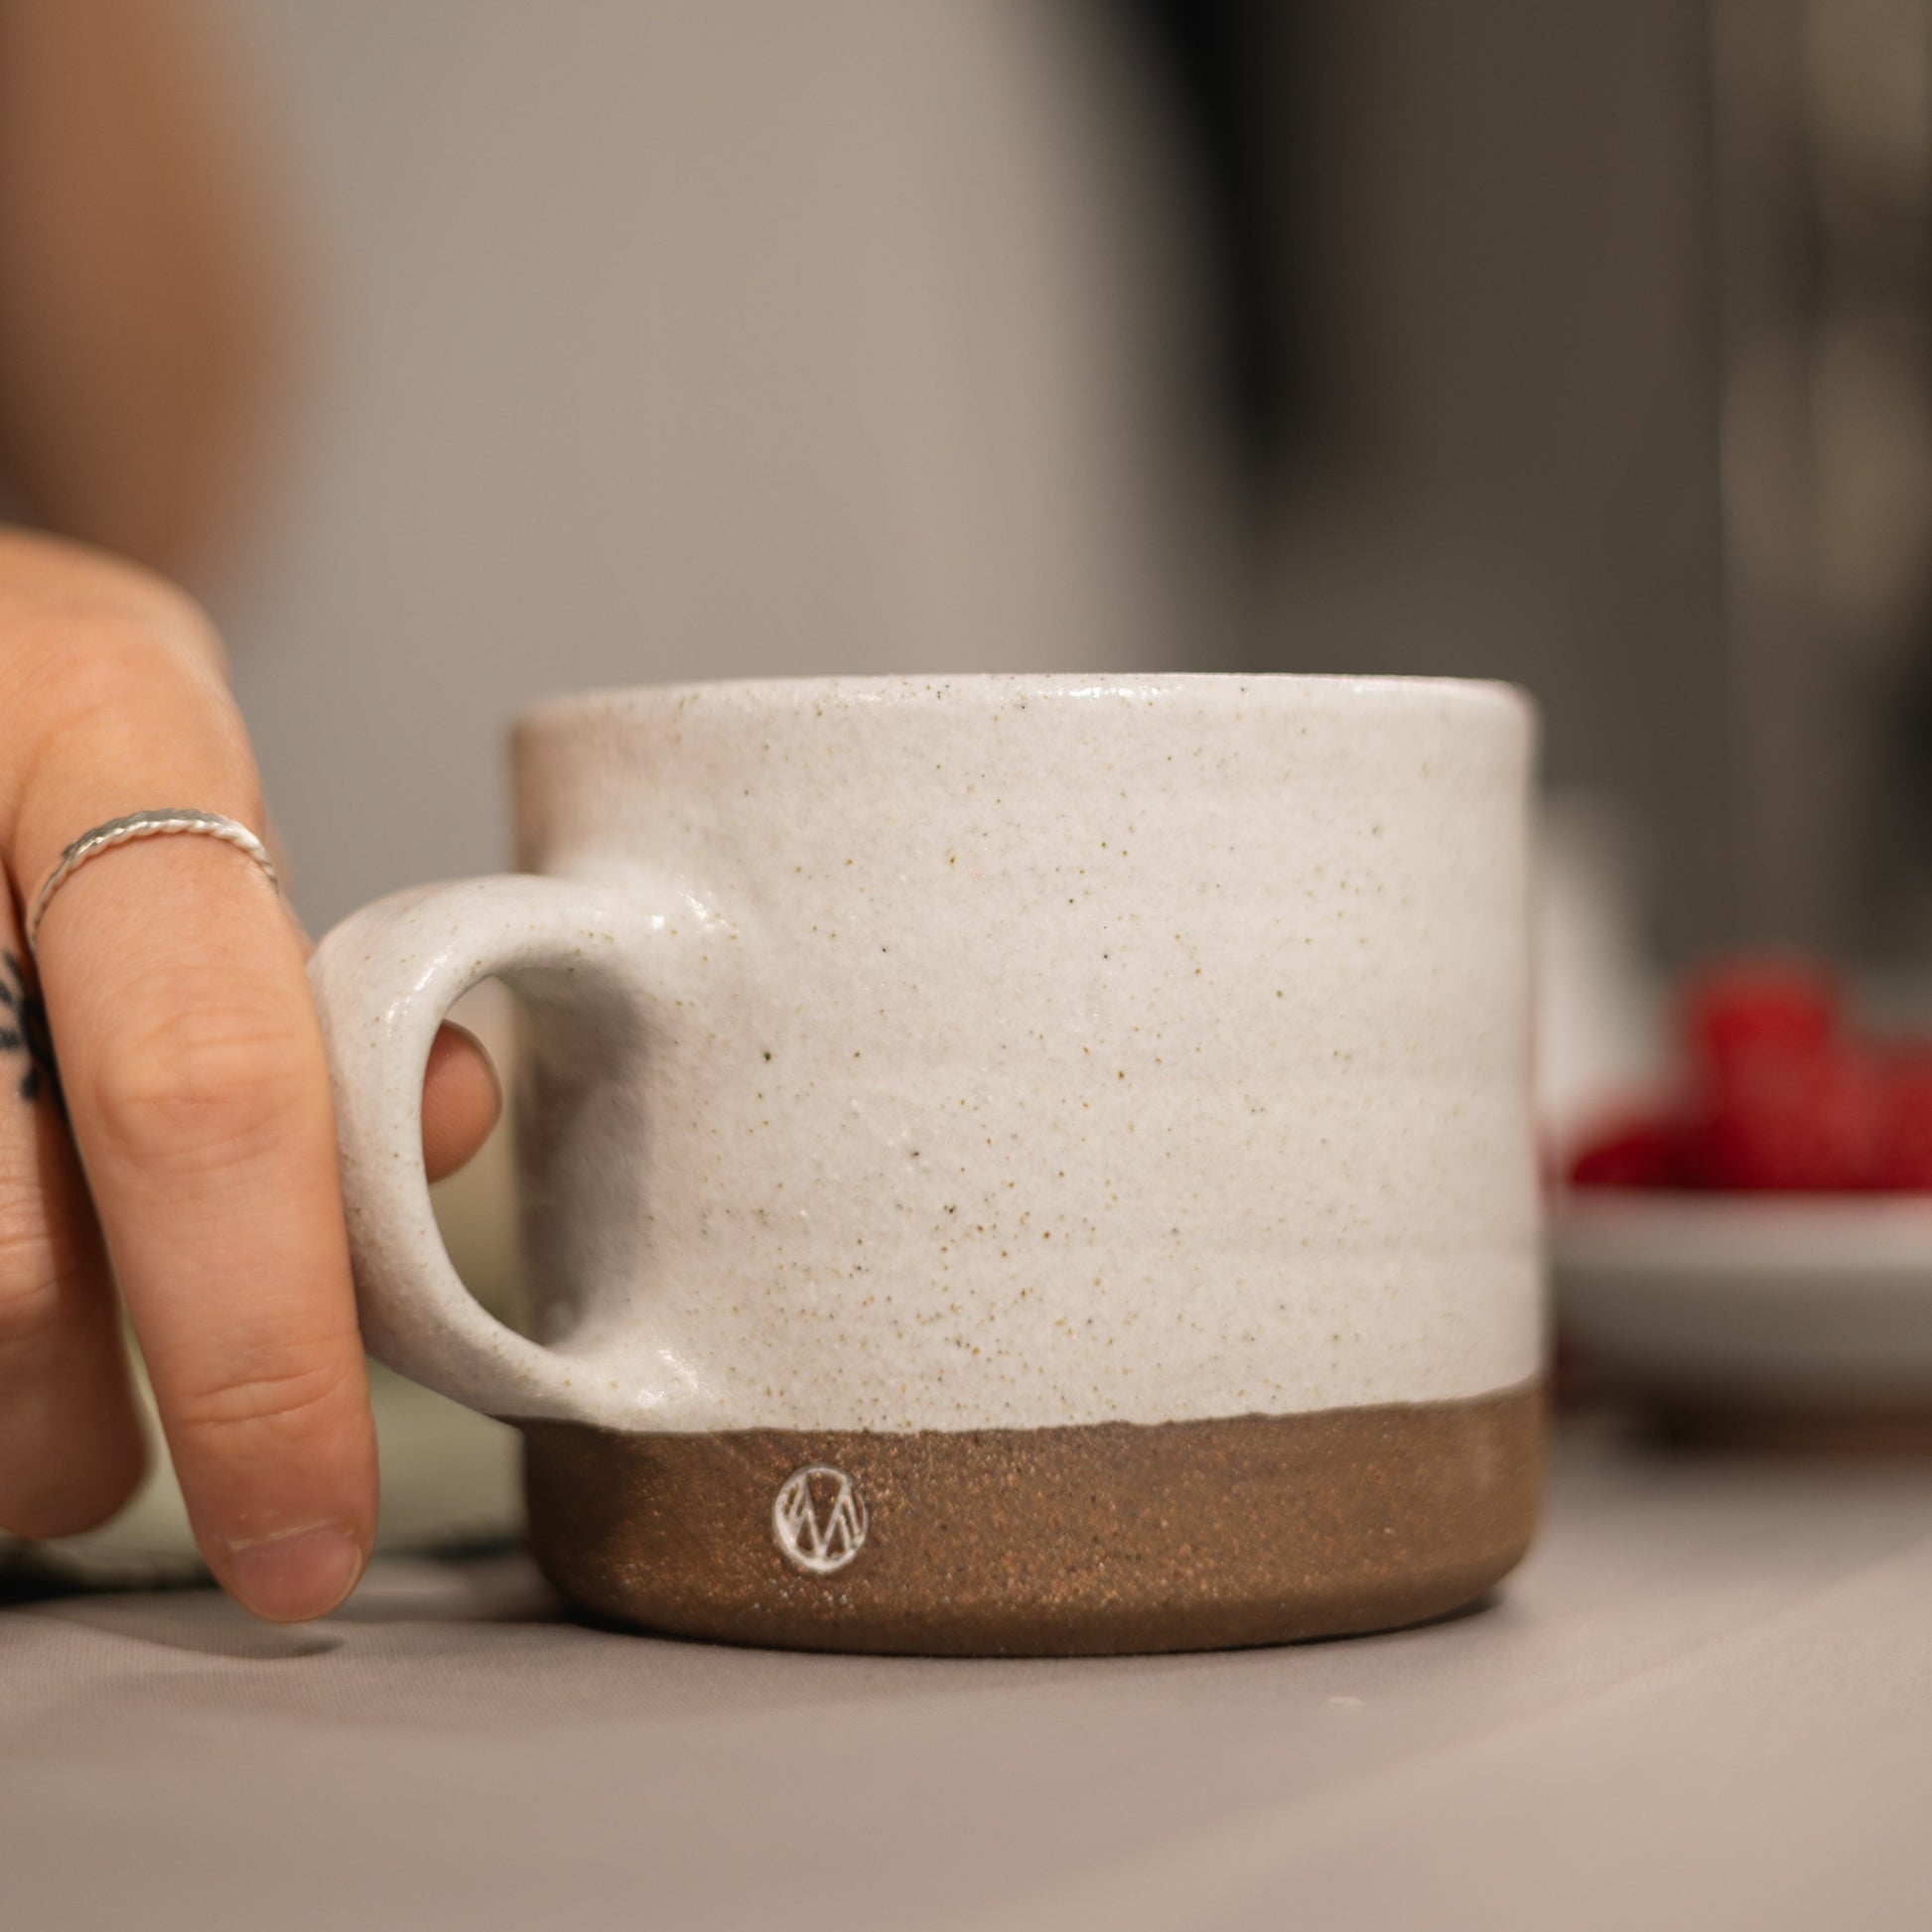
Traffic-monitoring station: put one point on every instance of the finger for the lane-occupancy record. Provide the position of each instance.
(71, 1449)
(198, 1098)
(461, 1100)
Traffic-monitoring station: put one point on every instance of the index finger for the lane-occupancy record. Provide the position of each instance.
(198, 1098)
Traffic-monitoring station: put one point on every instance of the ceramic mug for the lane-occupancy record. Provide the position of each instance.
(1008, 1163)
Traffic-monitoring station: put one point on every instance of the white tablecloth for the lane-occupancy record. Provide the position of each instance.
(1705, 1702)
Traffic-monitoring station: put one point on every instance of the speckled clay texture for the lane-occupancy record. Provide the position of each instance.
(1043, 1542)
(1002, 1052)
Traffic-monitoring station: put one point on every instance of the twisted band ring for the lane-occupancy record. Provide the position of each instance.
(141, 825)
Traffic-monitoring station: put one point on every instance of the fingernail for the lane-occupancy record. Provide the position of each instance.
(298, 1574)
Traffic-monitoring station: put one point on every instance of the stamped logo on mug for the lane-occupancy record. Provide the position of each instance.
(820, 1519)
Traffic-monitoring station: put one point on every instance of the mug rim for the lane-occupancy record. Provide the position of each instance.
(1493, 695)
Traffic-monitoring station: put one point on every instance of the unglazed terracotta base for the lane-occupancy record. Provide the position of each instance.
(1085, 1540)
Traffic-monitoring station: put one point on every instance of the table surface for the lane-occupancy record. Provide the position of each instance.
(1706, 1700)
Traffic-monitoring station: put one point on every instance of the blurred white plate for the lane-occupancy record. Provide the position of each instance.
(1751, 1301)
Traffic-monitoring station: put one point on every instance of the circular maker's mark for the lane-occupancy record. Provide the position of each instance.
(820, 1519)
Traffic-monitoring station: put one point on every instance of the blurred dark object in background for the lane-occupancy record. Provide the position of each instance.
(1248, 78)
(1822, 132)
(1587, 347)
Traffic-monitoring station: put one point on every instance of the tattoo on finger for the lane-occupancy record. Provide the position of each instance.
(23, 1030)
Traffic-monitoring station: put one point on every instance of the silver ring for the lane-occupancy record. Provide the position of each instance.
(141, 825)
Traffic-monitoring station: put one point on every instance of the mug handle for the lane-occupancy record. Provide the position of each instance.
(382, 981)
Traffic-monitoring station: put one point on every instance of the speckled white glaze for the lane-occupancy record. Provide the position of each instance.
(993, 1051)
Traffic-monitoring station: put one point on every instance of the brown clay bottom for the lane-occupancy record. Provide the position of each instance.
(1088, 1540)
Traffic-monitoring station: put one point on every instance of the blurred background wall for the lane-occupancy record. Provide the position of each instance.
(707, 339)
(648, 339)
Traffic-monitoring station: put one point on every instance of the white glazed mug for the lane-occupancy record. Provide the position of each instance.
(1008, 1163)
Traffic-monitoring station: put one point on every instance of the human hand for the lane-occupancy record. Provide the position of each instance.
(186, 1132)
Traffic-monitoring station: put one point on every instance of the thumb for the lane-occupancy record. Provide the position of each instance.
(461, 1100)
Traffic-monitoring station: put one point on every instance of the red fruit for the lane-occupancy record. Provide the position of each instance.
(1906, 1166)
(1744, 1008)
(1640, 1153)
(1775, 1120)
(1776, 1098)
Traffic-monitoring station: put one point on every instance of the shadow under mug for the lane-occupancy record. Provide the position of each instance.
(1012, 1165)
